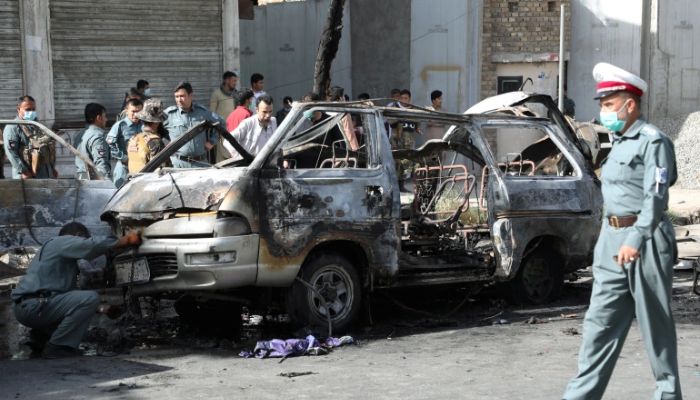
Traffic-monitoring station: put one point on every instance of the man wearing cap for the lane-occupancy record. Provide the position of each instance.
(119, 136)
(146, 144)
(180, 118)
(634, 256)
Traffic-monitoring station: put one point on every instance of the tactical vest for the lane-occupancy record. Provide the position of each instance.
(40, 152)
(141, 148)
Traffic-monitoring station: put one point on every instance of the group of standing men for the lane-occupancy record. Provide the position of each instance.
(142, 129)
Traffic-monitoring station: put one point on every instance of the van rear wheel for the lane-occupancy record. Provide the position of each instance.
(540, 279)
(337, 293)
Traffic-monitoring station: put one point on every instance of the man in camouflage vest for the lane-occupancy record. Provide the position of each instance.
(146, 144)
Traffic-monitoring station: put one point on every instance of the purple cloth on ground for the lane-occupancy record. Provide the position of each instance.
(295, 347)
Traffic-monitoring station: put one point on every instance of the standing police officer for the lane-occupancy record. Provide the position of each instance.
(91, 143)
(183, 116)
(31, 153)
(119, 136)
(636, 250)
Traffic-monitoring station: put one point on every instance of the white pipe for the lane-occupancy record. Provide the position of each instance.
(561, 61)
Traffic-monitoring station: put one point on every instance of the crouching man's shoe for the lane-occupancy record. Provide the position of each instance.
(52, 351)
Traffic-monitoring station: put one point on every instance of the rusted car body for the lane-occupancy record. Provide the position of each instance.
(327, 220)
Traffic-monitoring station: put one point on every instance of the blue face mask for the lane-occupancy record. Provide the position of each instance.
(29, 115)
(609, 119)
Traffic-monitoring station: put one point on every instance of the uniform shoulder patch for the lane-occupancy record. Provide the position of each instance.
(652, 132)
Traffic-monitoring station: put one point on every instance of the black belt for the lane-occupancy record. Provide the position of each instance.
(622, 222)
(190, 158)
(29, 296)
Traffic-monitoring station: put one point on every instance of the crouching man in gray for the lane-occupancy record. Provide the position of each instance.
(46, 298)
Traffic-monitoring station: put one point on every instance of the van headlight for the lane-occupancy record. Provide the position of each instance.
(231, 226)
(223, 257)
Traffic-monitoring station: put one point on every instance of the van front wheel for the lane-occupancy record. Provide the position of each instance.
(336, 294)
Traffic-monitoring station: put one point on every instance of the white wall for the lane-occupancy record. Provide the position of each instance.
(445, 52)
(281, 43)
(543, 75)
(602, 30)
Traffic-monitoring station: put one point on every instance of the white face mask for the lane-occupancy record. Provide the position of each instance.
(147, 92)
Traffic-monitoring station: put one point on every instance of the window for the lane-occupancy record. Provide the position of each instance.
(513, 6)
(527, 151)
(509, 84)
(551, 6)
(327, 139)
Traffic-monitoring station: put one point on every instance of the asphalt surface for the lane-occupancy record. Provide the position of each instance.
(486, 349)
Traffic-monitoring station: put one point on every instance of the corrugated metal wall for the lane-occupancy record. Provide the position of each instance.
(10, 58)
(100, 48)
(281, 44)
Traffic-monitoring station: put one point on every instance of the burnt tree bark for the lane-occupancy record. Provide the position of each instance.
(328, 47)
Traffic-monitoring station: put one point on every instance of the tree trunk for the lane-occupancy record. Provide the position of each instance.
(327, 48)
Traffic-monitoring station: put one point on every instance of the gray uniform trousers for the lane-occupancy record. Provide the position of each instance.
(642, 288)
(64, 316)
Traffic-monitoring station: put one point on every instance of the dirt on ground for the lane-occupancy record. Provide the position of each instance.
(417, 344)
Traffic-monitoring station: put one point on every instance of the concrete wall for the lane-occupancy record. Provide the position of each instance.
(543, 74)
(281, 43)
(445, 52)
(381, 46)
(609, 31)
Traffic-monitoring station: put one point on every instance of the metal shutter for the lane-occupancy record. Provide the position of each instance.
(100, 49)
(10, 58)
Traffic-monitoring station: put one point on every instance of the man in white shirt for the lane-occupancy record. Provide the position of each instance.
(255, 131)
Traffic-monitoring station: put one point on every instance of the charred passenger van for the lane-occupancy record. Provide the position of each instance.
(327, 210)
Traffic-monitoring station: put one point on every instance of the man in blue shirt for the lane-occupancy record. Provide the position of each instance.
(119, 136)
(181, 117)
(91, 143)
(46, 298)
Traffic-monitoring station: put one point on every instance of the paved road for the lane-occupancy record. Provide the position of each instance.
(403, 356)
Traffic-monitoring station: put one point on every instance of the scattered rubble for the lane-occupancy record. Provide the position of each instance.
(684, 133)
(570, 331)
(295, 374)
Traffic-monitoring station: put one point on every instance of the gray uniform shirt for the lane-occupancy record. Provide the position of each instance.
(55, 267)
(14, 141)
(91, 143)
(180, 121)
(119, 136)
(636, 176)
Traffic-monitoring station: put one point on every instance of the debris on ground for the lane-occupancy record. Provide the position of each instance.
(276, 348)
(570, 331)
(121, 386)
(534, 320)
(295, 374)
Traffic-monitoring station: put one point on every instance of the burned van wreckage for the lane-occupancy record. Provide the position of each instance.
(325, 213)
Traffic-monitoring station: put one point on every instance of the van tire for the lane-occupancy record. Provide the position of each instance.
(539, 280)
(335, 278)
